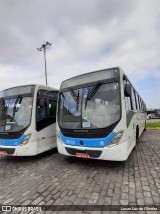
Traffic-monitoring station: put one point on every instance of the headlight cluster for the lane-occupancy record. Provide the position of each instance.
(116, 139)
(59, 138)
(26, 139)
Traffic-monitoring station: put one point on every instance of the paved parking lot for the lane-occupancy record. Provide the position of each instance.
(54, 179)
(153, 120)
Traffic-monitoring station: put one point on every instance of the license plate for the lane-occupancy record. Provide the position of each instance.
(2, 154)
(82, 155)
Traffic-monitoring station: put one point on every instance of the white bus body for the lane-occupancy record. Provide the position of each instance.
(100, 116)
(27, 120)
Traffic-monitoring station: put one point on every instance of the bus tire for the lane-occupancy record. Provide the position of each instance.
(145, 126)
(137, 134)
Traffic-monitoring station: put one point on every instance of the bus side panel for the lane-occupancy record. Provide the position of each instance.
(30, 149)
(143, 118)
(131, 130)
(129, 127)
(47, 138)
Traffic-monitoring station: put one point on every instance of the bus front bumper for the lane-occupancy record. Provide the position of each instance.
(115, 153)
(23, 150)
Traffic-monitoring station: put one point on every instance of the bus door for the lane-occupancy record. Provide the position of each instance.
(46, 120)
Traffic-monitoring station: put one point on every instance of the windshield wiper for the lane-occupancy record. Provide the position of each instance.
(92, 93)
(18, 100)
(75, 97)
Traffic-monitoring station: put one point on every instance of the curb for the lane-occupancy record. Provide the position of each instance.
(152, 128)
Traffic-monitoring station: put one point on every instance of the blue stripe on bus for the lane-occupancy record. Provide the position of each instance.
(11, 142)
(92, 142)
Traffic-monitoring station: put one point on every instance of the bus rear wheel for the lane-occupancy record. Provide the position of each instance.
(137, 134)
(145, 126)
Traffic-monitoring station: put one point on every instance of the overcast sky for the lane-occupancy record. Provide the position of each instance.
(86, 35)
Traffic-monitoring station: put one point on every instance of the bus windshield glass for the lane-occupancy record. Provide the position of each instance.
(92, 107)
(15, 110)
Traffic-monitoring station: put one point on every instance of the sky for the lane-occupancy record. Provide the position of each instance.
(85, 36)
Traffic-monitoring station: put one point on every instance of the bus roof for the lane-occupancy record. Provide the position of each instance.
(91, 77)
(102, 74)
(35, 85)
(23, 89)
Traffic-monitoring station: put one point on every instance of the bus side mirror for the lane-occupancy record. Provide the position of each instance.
(42, 102)
(127, 90)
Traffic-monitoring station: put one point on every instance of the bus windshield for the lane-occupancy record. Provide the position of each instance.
(16, 108)
(15, 113)
(91, 107)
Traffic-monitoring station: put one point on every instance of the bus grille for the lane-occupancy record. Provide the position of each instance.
(91, 153)
(9, 151)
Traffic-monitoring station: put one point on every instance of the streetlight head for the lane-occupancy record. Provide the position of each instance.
(47, 43)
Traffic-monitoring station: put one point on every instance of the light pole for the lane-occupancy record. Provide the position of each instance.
(43, 48)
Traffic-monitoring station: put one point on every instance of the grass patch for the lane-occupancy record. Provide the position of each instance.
(153, 125)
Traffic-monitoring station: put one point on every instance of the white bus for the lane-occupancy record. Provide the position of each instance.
(27, 120)
(100, 115)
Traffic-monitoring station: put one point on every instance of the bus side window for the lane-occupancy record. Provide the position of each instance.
(128, 104)
(134, 99)
(41, 109)
(52, 106)
(46, 111)
(127, 94)
(137, 101)
(41, 114)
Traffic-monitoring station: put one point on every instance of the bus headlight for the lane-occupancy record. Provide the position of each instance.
(116, 139)
(26, 139)
(59, 138)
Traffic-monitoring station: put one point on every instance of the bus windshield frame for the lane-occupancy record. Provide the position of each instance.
(92, 106)
(16, 109)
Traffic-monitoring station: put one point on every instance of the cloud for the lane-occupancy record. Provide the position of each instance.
(85, 36)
